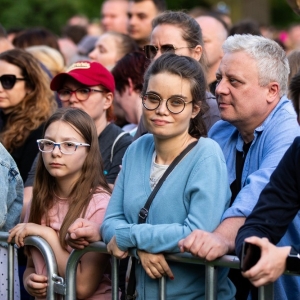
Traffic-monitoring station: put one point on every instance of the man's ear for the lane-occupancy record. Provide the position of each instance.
(131, 87)
(273, 91)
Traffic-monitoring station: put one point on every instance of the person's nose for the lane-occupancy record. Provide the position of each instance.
(56, 150)
(157, 55)
(73, 98)
(92, 54)
(1, 87)
(162, 108)
(221, 87)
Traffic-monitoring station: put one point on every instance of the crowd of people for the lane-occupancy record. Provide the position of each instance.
(156, 132)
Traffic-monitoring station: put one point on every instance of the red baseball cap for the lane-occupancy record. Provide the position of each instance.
(86, 72)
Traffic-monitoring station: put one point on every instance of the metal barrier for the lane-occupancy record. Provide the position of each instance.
(67, 289)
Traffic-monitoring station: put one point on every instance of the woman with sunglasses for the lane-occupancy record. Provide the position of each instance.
(194, 195)
(179, 33)
(26, 102)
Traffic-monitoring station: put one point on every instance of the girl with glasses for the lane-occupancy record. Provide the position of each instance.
(26, 102)
(194, 195)
(69, 184)
(178, 33)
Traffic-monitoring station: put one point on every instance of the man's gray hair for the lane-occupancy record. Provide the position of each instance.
(271, 59)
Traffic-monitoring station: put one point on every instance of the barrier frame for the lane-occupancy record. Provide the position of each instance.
(57, 287)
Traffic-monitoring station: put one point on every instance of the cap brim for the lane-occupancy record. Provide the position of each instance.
(59, 80)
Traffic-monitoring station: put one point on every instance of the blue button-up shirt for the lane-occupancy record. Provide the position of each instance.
(271, 140)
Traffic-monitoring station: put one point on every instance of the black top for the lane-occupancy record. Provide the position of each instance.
(278, 203)
(25, 154)
(106, 140)
(240, 158)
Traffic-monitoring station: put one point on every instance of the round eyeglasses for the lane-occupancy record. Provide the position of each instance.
(81, 94)
(175, 104)
(151, 50)
(66, 147)
(8, 81)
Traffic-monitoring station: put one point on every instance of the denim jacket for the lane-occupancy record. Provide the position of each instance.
(11, 192)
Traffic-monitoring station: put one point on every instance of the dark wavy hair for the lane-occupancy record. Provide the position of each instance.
(36, 36)
(37, 105)
(190, 69)
(90, 181)
(133, 66)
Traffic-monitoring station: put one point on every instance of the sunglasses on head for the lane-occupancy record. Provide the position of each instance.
(151, 50)
(9, 81)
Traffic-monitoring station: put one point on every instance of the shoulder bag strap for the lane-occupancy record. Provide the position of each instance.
(130, 294)
(144, 211)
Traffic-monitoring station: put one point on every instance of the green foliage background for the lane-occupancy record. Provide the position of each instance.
(53, 14)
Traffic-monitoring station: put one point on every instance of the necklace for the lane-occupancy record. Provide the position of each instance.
(60, 198)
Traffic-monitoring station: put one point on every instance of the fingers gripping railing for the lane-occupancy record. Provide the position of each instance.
(49, 257)
(211, 274)
(72, 267)
(56, 284)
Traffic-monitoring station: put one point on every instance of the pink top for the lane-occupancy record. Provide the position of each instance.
(95, 213)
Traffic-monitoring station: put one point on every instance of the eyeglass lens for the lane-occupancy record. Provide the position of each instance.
(81, 94)
(65, 147)
(151, 50)
(175, 104)
(8, 81)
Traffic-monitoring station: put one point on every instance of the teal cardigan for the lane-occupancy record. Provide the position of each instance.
(193, 196)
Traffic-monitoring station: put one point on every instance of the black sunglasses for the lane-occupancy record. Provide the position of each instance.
(151, 50)
(9, 81)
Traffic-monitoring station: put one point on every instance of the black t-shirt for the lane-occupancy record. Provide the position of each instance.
(26, 153)
(111, 159)
(236, 185)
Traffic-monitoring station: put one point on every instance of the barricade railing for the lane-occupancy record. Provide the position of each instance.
(67, 289)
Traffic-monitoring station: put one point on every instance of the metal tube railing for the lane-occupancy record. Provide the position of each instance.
(10, 265)
(50, 261)
(69, 288)
(72, 267)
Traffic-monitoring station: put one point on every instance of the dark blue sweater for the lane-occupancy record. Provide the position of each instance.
(278, 203)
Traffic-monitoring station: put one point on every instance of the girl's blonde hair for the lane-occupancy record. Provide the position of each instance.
(50, 57)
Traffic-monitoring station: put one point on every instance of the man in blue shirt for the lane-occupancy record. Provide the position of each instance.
(258, 125)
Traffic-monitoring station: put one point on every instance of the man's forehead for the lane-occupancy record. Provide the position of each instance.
(141, 7)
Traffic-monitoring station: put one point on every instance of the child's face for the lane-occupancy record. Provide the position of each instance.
(65, 167)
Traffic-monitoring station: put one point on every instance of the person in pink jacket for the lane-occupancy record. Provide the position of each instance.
(69, 184)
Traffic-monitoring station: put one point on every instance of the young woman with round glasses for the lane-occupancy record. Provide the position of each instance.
(26, 102)
(179, 33)
(194, 195)
(69, 184)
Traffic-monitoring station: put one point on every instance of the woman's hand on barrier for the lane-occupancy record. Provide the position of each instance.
(155, 265)
(83, 232)
(36, 285)
(114, 250)
(22, 230)
(271, 264)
